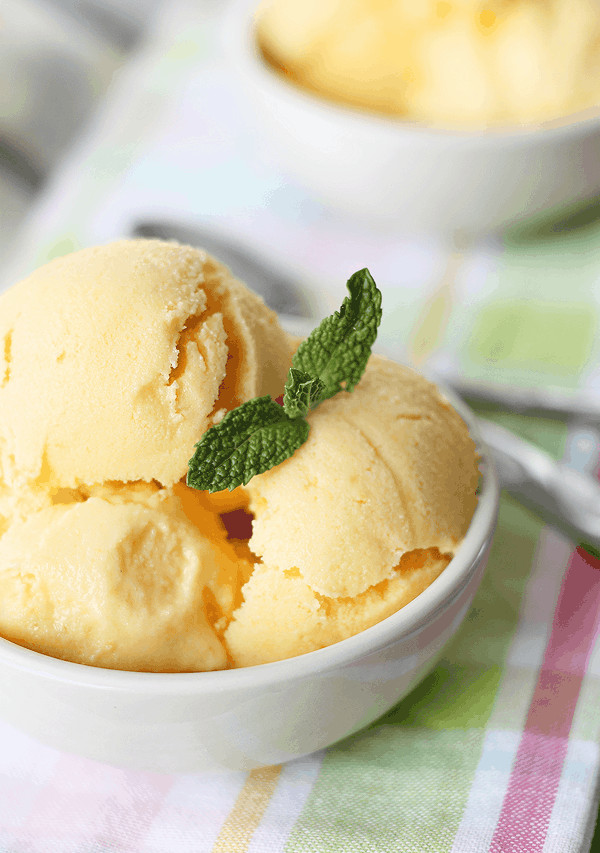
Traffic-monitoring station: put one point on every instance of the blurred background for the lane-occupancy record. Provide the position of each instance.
(135, 117)
(57, 60)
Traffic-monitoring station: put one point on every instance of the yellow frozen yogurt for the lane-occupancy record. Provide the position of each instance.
(114, 361)
(471, 63)
(119, 579)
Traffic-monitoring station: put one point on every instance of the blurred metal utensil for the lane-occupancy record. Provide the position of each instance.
(280, 292)
(20, 167)
(561, 496)
(19, 182)
(544, 401)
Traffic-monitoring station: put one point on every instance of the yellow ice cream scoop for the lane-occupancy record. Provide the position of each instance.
(121, 579)
(114, 360)
(444, 62)
(386, 469)
(362, 518)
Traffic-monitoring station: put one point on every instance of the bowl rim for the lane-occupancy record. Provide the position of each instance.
(240, 42)
(399, 625)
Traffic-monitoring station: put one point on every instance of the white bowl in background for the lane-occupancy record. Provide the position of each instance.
(259, 715)
(409, 176)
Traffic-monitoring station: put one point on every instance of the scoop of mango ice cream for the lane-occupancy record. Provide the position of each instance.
(359, 520)
(115, 360)
(386, 469)
(120, 580)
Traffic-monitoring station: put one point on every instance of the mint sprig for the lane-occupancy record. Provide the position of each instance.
(260, 434)
(337, 351)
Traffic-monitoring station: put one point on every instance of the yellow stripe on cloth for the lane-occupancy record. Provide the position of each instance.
(247, 813)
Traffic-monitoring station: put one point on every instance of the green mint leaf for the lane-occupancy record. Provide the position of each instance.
(249, 440)
(337, 351)
(302, 393)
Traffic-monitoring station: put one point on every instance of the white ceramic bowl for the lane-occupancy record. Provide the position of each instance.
(260, 715)
(410, 177)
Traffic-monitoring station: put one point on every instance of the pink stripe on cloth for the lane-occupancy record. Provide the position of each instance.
(86, 803)
(523, 823)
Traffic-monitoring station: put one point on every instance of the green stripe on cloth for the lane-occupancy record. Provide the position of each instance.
(389, 784)
(455, 695)
(551, 338)
(553, 258)
(535, 319)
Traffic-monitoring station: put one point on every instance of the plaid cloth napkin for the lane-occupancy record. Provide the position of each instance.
(498, 749)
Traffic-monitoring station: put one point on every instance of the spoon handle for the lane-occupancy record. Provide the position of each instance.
(561, 496)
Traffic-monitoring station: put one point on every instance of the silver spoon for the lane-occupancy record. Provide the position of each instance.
(564, 498)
